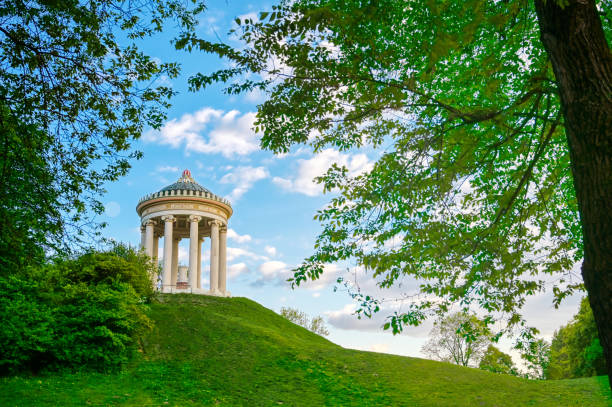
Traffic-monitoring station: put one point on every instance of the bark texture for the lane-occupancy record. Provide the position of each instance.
(574, 40)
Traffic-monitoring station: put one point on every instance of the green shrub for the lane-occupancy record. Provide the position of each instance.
(27, 331)
(82, 313)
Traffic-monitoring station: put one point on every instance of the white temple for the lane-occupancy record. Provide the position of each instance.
(184, 210)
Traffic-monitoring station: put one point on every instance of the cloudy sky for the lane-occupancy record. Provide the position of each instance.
(274, 200)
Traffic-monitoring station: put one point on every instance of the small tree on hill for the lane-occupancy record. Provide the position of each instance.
(537, 358)
(460, 338)
(316, 325)
(496, 361)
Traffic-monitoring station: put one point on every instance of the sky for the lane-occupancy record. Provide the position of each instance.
(273, 197)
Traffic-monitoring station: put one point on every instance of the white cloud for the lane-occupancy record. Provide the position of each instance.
(346, 319)
(270, 251)
(167, 168)
(112, 209)
(237, 269)
(328, 278)
(183, 256)
(316, 166)
(243, 178)
(274, 272)
(236, 252)
(273, 268)
(232, 234)
(228, 133)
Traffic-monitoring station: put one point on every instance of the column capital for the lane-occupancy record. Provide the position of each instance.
(142, 228)
(215, 222)
(168, 218)
(223, 228)
(194, 218)
(149, 222)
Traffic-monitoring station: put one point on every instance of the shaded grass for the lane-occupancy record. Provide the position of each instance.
(233, 352)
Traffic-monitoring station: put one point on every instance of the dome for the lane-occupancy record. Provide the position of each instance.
(186, 187)
(185, 182)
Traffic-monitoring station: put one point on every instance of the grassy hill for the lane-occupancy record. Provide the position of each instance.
(232, 352)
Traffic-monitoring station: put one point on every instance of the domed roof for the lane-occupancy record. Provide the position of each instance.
(184, 186)
(185, 182)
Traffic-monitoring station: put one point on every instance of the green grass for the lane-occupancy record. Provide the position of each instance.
(234, 352)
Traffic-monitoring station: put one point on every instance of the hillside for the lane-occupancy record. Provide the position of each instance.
(231, 352)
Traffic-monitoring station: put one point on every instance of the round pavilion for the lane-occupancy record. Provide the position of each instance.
(186, 210)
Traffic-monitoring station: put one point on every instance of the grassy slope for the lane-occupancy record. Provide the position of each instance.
(216, 351)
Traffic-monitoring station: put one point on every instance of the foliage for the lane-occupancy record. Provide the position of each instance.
(86, 312)
(496, 361)
(75, 92)
(458, 338)
(471, 195)
(575, 350)
(316, 324)
(29, 200)
(536, 356)
(232, 352)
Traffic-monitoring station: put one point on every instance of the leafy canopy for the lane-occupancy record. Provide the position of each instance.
(471, 195)
(75, 92)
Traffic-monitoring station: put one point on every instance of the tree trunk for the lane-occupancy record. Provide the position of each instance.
(574, 40)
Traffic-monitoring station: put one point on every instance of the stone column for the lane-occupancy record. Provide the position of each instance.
(155, 259)
(200, 241)
(149, 225)
(175, 250)
(155, 255)
(143, 237)
(167, 270)
(223, 259)
(193, 250)
(214, 255)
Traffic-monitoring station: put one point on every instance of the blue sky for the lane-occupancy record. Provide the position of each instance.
(273, 197)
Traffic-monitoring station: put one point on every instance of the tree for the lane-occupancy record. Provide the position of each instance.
(495, 119)
(459, 338)
(75, 92)
(496, 361)
(575, 350)
(537, 357)
(316, 325)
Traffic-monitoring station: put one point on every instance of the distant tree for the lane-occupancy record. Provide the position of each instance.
(496, 361)
(458, 338)
(575, 350)
(536, 356)
(316, 325)
(75, 92)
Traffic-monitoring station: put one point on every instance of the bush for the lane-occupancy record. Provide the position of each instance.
(82, 313)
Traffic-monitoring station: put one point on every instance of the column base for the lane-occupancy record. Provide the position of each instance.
(180, 289)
